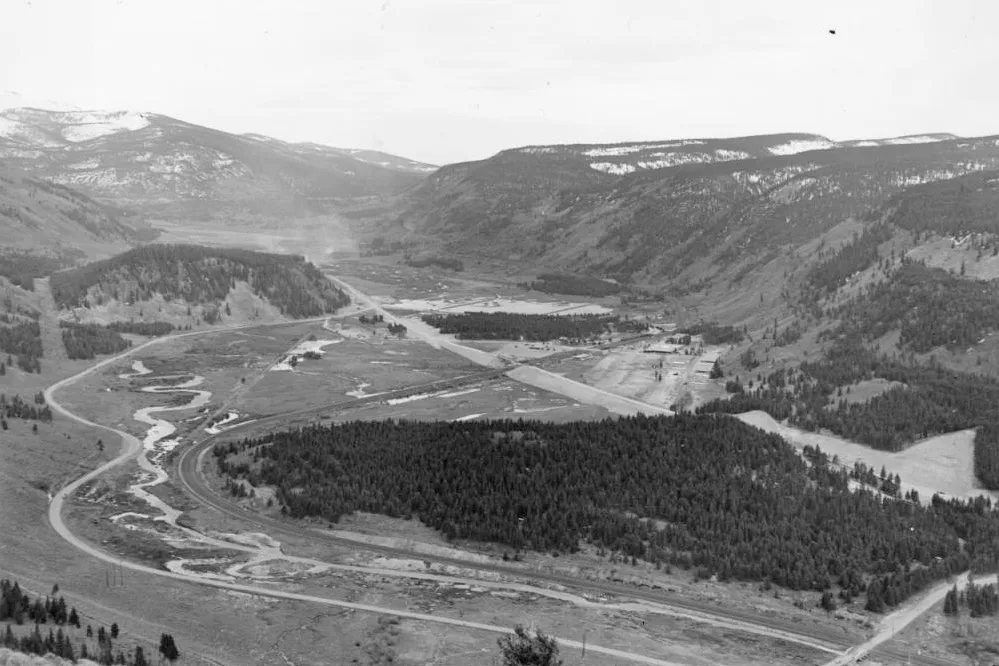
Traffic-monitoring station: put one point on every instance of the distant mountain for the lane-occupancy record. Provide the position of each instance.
(688, 212)
(169, 167)
(375, 157)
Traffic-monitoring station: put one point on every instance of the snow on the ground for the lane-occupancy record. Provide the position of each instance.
(94, 124)
(215, 428)
(138, 369)
(315, 346)
(497, 305)
(920, 138)
(115, 519)
(868, 143)
(469, 417)
(618, 151)
(728, 155)
(180, 567)
(801, 146)
(612, 168)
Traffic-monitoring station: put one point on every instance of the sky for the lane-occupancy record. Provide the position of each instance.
(444, 81)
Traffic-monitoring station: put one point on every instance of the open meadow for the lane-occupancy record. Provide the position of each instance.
(942, 464)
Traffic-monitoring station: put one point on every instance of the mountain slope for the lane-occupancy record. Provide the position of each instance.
(44, 226)
(690, 212)
(157, 162)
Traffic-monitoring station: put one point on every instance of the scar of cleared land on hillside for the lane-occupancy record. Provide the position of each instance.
(943, 464)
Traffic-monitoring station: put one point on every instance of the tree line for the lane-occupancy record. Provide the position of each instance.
(927, 399)
(146, 328)
(514, 326)
(713, 333)
(85, 341)
(705, 493)
(200, 275)
(21, 340)
(929, 306)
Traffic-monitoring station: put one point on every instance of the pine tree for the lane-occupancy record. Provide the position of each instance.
(140, 657)
(114, 630)
(168, 648)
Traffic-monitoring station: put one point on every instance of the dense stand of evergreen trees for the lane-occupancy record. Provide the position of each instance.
(929, 400)
(713, 333)
(702, 492)
(18, 608)
(860, 253)
(512, 326)
(954, 206)
(88, 340)
(929, 306)
(22, 268)
(200, 275)
(573, 285)
(978, 599)
(147, 328)
(22, 342)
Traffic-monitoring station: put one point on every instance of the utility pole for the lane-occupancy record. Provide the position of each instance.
(584, 644)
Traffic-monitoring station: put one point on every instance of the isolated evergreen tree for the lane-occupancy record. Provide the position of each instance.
(522, 649)
(114, 630)
(140, 657)
(168, 648)
(74, 619)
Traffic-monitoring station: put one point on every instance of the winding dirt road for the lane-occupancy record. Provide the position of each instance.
(131, 446)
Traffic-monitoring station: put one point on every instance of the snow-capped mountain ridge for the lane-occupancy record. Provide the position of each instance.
(142, 158)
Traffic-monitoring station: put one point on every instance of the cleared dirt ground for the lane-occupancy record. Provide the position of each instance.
(942, 464)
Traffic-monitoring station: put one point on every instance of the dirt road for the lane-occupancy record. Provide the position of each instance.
(131, 446)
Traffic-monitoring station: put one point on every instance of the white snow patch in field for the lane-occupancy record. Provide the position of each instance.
(87, 126)
(215, 429)
(612, 168)
(315, 346)
(455, 394)
(497, 305)
(801, 146)
(469, 417)
(868, 143)
(138, 369)
(724, 155)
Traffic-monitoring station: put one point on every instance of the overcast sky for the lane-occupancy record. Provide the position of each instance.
(450, 80)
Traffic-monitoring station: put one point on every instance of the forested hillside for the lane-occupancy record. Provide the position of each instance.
(199, 275)
(700, 492)
(687, 214)
(514, 326)
(45, 226)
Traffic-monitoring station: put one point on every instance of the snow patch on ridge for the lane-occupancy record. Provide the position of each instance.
(801, 145)
(85, 126)
(611, 167)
